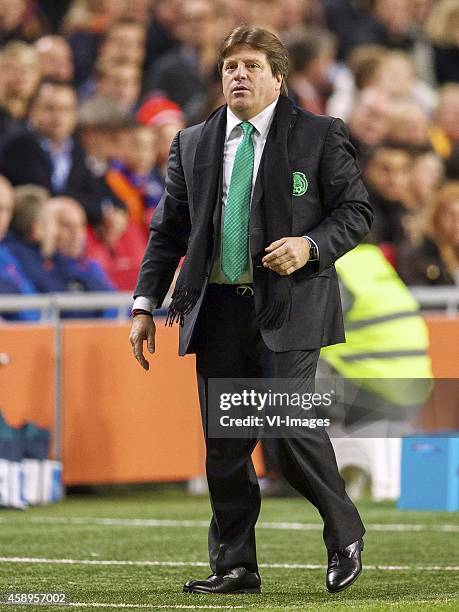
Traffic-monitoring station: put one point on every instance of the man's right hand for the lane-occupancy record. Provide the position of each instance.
(143, 328)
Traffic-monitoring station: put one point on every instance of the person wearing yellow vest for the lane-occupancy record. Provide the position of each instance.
(385, 354)
(383, 366)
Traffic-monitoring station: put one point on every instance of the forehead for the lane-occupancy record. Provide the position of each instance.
(245, 53)
(49, 92)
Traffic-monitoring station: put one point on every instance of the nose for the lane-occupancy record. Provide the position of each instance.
(240, 72)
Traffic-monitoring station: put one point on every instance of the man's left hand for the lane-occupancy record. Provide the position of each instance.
(286, 255)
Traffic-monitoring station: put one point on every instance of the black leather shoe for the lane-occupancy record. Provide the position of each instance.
(236, 580)
(344, 567)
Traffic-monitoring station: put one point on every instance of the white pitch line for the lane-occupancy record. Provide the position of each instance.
(125, 606)
(282, 526)
(149, 562)
(152, 606)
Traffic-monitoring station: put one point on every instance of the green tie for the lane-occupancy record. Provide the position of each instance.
(235, 238)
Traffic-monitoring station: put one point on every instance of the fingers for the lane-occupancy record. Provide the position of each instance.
(281, 251)
(286, 255)
(275, 244)
(137, 349)
(136, 339)
(151, 340)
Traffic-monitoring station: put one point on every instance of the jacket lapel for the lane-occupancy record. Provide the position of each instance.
(208, 162)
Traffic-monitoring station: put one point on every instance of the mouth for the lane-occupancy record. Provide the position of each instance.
(240, 88)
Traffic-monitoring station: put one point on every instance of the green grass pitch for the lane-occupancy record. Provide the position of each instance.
(158, 539)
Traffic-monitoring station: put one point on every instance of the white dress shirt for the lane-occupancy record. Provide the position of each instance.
(261, 123)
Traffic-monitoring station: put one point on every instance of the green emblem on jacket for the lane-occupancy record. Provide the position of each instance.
(300, 184)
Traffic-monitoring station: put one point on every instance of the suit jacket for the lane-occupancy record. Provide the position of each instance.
(23, 161)
(333, 210)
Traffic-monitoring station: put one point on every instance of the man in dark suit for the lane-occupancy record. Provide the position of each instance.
(262, 198)
(46, 153)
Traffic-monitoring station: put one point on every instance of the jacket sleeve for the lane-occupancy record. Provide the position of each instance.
(169, 232)
(348, 214)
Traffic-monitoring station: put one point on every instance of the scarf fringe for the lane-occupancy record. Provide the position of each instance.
(275, 314)
(183, 302)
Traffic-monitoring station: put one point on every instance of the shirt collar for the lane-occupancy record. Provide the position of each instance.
(261, 122)
(65, 148)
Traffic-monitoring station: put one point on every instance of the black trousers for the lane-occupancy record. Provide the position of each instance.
(229, 345)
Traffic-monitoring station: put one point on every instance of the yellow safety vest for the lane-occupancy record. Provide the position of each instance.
(386, 337)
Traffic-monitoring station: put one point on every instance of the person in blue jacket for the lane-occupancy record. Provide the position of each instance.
(34, 238)
(12, 276)
(84, 274)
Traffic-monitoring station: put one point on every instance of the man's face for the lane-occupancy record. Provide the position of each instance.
(249, 85)
(125, 41)
(54, 112)
(389, 172)
(71, 226)
(55, 58)
(44, 230)
(143, 150)
(197, 22)
(123, 85)
(369, 119)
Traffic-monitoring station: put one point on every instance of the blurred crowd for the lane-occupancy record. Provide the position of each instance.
(93, 91)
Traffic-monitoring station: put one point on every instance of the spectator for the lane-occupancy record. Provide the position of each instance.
(294, 14)
(55, 57)
(266, 14)
(445, 132)
(434, 258)
(103, 128)
(443, 30)
(369, 120)
(94, 15)
(70, 218)
(46, 153)
(33, 241)
(120, 80)
(235, 12)
(21, 73)
(395, 16)
(125, 40)
(166, 119)
(387, 175)
(135, 180)
(312, 54)
(119, 249)
(117, 243)
(358, 73)
(12, 276)
(426, 178)
(355, 24)
(396, 76)
(408, 124)
(184, 74)
(85, 25)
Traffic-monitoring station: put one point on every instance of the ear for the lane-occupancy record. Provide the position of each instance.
(279, 80)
